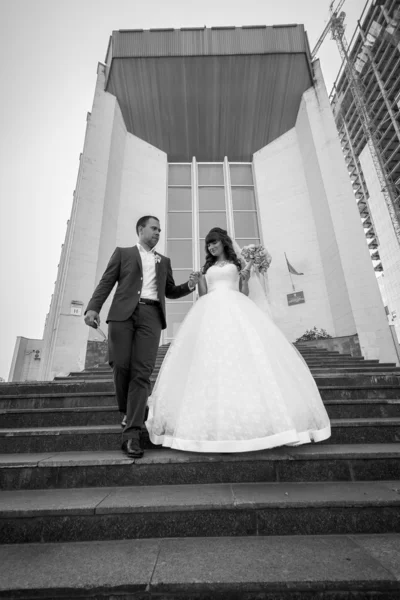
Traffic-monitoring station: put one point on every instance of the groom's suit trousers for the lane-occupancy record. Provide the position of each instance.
(133, 346)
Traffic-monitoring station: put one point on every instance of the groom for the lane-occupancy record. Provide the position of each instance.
(135, 320)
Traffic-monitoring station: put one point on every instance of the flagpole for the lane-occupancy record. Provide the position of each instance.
(290, 275)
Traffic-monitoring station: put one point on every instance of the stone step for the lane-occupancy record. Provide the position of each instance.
(227, 568)
(358, 392)
(337, 361)
(53, 387)
(350, 380)
(354, 370)
(230, 567)
(315, 369)
(349, 376)
(357, 368)
(108, 437)
(63, 400)
(325, 357)
(52, 397)
(60, 416)
(308, 359)
(364, 408)
(215, 510)
(326, 353)
(68, 386)
(351, 462)
(83, 376)
(343, 361)
(335, 356)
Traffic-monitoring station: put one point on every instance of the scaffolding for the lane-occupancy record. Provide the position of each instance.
(366, 104)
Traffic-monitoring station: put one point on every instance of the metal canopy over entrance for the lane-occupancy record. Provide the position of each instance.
(209, 93)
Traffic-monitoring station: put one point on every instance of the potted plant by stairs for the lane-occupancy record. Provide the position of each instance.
(313, 334)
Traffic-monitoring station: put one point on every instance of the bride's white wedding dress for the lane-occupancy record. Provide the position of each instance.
(231, 381)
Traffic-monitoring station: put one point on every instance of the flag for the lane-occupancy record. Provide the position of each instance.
(292, 269)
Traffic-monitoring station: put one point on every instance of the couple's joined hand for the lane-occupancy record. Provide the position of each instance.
(194, 277)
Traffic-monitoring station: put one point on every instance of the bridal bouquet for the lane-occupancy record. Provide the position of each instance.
(258, 256)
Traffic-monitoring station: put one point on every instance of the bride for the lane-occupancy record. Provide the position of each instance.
(231, 381)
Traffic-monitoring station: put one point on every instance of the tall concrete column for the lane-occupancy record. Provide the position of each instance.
(65, 336)
(389, 249)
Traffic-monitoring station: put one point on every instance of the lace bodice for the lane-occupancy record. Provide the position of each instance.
(226, 277)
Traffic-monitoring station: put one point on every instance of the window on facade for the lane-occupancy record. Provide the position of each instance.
(208, 220)
(180, 198)
(246, 224)
(241, 174)
(193, 212)
(179, 225)
(180, 175)
(211, 202)
(212, 198)
(209, 174)
(243, 198)
(180, 253)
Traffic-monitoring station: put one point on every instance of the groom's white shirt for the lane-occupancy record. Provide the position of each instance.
(149, 287)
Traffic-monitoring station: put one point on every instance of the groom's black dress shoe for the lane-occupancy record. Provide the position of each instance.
(132, 448)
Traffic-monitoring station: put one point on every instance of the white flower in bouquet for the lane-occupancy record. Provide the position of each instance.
(258, 256)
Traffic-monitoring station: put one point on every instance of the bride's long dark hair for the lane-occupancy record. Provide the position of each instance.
(214, 235)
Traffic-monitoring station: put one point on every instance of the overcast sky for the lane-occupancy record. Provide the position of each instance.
(49, 52)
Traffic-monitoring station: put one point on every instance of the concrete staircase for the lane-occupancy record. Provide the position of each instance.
(79, 519)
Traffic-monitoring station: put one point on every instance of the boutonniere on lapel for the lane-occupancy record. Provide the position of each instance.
(157, 258)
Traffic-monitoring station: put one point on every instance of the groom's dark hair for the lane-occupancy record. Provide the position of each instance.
(144, 220)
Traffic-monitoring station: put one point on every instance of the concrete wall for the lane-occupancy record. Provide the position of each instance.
(25, 364)
(120, 178)
(389, 249)
(143, 189)
(288, 225)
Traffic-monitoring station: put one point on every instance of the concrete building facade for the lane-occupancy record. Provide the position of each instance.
(373, 58)
(26, 360)
(206, 127)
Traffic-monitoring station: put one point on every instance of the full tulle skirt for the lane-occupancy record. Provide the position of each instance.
(232, 382)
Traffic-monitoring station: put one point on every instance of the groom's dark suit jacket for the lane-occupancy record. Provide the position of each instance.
(125, 268)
